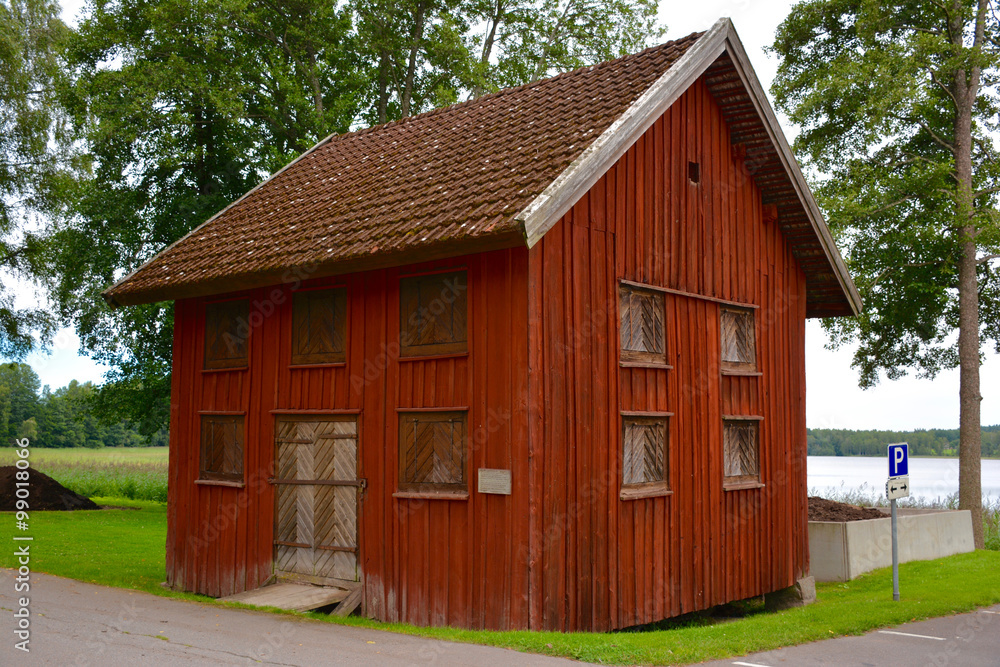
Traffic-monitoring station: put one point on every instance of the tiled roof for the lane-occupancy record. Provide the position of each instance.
(452, 177)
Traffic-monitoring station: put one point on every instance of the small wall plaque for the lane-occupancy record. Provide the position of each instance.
(493, 480)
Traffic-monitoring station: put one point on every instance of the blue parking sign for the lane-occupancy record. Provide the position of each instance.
(899, 459)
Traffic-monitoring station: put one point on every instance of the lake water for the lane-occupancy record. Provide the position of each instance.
(930, 479)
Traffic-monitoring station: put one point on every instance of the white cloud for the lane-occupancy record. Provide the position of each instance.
(65, 363)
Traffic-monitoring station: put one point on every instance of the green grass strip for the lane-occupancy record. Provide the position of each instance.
(125, 548)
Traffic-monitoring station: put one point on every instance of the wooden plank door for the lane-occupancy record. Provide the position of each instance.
(317, 498)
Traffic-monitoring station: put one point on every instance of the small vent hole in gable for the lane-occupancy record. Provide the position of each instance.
(694, 172)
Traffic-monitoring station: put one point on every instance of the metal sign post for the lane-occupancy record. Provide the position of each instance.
(897, 486)
(895, 556)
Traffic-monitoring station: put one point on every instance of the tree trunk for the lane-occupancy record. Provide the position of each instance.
(970, 430)
(965, 88)
(484, 58)
(383, 87)
(317, 89)
(554, 35)
(204, 142)
(411, 66)
(543, 62)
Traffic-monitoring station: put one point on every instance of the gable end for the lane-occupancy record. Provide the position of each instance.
(719, 56)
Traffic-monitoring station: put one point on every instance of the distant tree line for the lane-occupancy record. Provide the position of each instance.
(932, 442)
(60, 418)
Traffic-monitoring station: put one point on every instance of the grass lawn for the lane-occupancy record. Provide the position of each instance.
(125, 548)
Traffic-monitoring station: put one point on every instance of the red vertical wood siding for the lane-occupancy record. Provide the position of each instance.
(545, 391)
(605, 562)
(431, 562)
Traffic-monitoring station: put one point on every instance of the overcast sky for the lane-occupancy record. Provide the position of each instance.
(833, 397)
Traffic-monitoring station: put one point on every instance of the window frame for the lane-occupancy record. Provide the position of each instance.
(649, 488)
(642, 358)
(455, 490)
(206, 476)
(737, 367)
(340, 296)
(212, 311)
(409, 350)
(730, 482)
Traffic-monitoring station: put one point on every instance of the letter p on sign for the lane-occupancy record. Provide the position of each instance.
(899, 459)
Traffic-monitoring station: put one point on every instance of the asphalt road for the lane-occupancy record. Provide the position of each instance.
(73, 623)
(965, 640)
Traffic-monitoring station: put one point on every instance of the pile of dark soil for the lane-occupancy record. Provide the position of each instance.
(44, 493)
(821, 509)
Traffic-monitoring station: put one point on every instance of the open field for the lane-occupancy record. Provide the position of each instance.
(135, 473)
(41, 456)
(125, 548)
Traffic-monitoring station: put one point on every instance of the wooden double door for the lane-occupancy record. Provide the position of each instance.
(317, 495)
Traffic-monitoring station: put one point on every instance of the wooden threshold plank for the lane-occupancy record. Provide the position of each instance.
(296, 597)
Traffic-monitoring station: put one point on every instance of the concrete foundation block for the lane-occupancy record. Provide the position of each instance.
(801, 593)
(841, 551)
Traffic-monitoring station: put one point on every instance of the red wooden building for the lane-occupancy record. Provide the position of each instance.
(531, 361)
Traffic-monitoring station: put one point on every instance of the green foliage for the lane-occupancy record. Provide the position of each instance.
(543, 39)
(166, 133)
(523, 41)
(873, 86)
(301, 79)
(19, 387)
(413, 55)
(35, 153)
(991, 527)
(28, 429)
(923, 442)
(62, 418)
(422, 54)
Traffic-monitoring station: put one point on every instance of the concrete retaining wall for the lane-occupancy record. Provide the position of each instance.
(842, 550)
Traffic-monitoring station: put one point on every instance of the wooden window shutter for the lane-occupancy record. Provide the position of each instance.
(740, 438)
(432, 451)
(433, 314)
(222, 448)
(738, 336)
(644, 450)
(226, 330)
(319, 326)
(643, 330)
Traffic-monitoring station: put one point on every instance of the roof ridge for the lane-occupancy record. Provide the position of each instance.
(694, 36)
